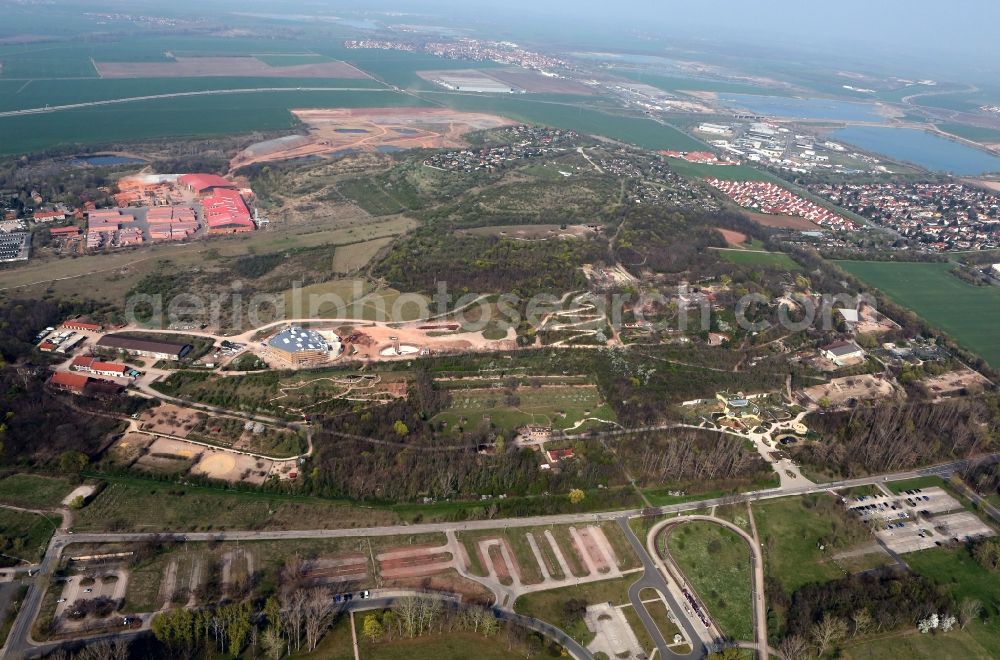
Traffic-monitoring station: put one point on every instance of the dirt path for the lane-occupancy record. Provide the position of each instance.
(557, 551)
(542, 565)
(194, 583)
(169, 584)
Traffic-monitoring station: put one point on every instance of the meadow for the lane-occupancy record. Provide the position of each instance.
(558, 406)
(755, 258)
(969, 314)
(716, 562)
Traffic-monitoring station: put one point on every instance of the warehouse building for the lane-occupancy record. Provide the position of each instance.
(144, 347)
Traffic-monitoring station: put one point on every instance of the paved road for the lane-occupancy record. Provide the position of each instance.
(207, 92)
(652, 578)
(18, 641)
(757, 591)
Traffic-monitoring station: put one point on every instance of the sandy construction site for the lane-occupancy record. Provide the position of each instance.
(342, 131)
(237, 67)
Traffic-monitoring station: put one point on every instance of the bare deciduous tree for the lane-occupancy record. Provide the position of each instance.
(793, 647)
(968, 610)
(829, 630)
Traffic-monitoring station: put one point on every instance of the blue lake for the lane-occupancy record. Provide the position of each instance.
(104, 161)
(921, 148)
(796, 108)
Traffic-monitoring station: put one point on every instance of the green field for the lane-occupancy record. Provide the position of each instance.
(561, 407)
(449, 646)
(974, 133)
(956, 571)
(766, 259)
(969, 314)
(549, 605)
(956, 645)
(792, 530)
(25, 535)
(716, 562)
(31, 491)
(723, 172)
(639, 131)
(39, 93)
(136, 504)
(676, 84)
(194, 116)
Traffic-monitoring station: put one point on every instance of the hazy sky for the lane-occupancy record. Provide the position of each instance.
(957, 37)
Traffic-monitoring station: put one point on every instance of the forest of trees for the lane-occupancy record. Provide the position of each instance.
(688, 456)
(818, 617)
(888, 436)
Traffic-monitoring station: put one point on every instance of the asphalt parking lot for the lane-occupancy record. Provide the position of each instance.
(905, 506)
(923, 534)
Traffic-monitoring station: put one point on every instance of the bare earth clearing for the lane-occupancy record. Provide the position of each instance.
(340, 131)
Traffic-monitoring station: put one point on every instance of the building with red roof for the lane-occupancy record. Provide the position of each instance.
(205, 183)
(71, 230)
(48, 216)
(69, 382)
(226, 213)
(92, 365)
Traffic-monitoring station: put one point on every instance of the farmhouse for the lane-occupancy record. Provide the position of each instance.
(145, 347)
(300, 347)
(66, 381)
(97, 367)
(843, 353)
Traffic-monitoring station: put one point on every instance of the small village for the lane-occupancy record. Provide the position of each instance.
(941, 217)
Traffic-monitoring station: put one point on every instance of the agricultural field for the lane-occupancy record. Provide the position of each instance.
(721, 172)
(191, 116)
(758, 258)
(716, 562)
(975, 133)
(31, 491)
(969, 314)
(562, 407)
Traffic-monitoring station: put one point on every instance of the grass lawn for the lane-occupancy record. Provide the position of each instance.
(792, 530)
(717, 563)
(958, 572)
(548, 605)
(25, 535)
(558, 406)
(336, 643)
(766, 259)
(920, 482)
(969, 314)
(136, 504)
(959, 645)
(450, 646)
(31, 491)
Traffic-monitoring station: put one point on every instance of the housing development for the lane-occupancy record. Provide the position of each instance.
(481, 330)
(939, 216)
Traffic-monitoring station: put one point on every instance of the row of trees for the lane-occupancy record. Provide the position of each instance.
(886, 436)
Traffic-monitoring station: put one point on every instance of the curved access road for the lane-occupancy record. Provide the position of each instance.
(174, 95)
(757, 592)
